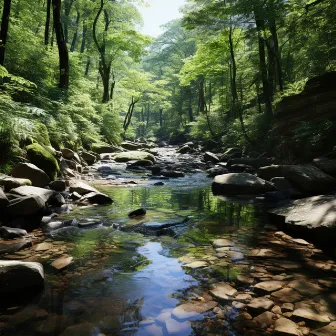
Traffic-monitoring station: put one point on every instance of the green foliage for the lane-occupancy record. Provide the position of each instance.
(43, 158)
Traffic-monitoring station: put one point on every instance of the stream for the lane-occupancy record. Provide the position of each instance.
(128, 275)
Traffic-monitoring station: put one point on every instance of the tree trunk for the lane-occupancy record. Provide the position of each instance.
(113, 84)
(4, 29)
(47, 24)
(128, 117)
(87, 67)
(262, 64)
(67, 9)
(74, 39)
(203, 106)
(82, 49)
(161, 117)
(62, 46)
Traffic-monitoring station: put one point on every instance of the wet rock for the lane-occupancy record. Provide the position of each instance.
(141, 163)
(177, 328)
(81, 188)
(133, 156)
(172, 174)
(57, 200)
(259, 305)
(267, 287)
(252, 162)
(89, 158)
(75, 196)
(17, 275)
(104, 148)
(231, 153)
(158, 184)
(222, 291)
(31, 172)
(192, 309)
(11, 233)
(326, 165)
(13, 246)
(286, 327)
(10, 183)
(245, 280)
(196, 264)
(328, 282)
(68, 153)
(240, 184)
(265, 320)
(3, 199)
(305, 287)
(185, 149)
(306, 178)
(62, 262)
(212, 172)
(83, 329)
(43, 247)
(313, 216)
(58, 185)
(25, 206)
(222, 243)
(311, 315)
(51, 226)
(138, 212)
(329, 330)
(210, 157)
(287, 295)
(235, 256)
(241, 168)
(97, 198)
(281, 184)
(26, 191)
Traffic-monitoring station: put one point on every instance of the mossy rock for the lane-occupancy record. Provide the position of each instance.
(42, 157)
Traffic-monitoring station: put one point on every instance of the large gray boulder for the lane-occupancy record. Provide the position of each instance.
(313, 216)
(11, 233)
(68, 153)
(17, 276)
(81, 188)
(96, 198)
(25, 206)
(326, 165)
(240, 184)
(208, 156)
(89, 158)
(104, 148)
(26, 191)
(306, 178)
(131, 145)
(134, 156)
(31, 172)
(253, 162)
(10, 183)
(3, 199)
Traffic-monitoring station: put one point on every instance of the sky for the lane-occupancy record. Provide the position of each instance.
(158, 13)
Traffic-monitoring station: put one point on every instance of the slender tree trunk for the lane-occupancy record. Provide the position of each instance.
(190, 109)
(147, 116)
(67, 10)
(82, 49)
(113, 84)
(47, 23)
(262, 64)
(74, 39)
(62, 46)
(87, 67)
(4, 29)
(128, 117)
(203, 106)
(161, 117)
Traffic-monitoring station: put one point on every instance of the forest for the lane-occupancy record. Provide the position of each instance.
(79, 72)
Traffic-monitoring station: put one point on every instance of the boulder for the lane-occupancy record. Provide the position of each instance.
(138, 212)
(3, 199)
(68, 153)
(133, 155)
(231, 153)
(81, 188)
(89, 158)
(11, 233)
(306, 178)
(208, 156)
(254, 162)
(141, 163)
(58, 185)
(57, 200)
(240, 184)
(31, 172)
(17, 276)
(130, 145)
(212, 172)
(25, 206)
(104, 148)
(281, 184)
(44, 159)
(96, 198)
(172, 173)
(241, 168)
(26, 191)
(11, 182)
(326, 165)
(312, 216)
(185, 149)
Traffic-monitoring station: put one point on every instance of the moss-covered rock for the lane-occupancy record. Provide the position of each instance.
(42, 157)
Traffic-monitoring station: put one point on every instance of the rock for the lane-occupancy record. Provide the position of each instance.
(131, 146)
(267, 287)
(306, 178)
(17, 275)
(252, 162)
(11, 233)
(311, 315)
(326, 165)
(235, 256)
(82, 329)
(265, 319)
(133, 155)
(43, 158)
(104, 148)
(281, 184)
(138, 212)
(240, 184)
(185, 149)
(178, 328)
(89, 158)
(57, 200)
(58, 185)
(141, 163)
(26, 191)
(286, 327)
(68, 153)
(158, 184)
(25, 206)
(192, 309)
(172, 174)
(210, 157)
(232, 153)
(196, 264)
(287, 307)
(329, 330)
(241, 168)
(62, 262)
(212, 172)
(75, 196)
(52, 226)
(97, 198)
(313, 216)
(43, 247)
(10, 183)
(81, 188)
(222, 243)
(222, 291)
(287, 295)
(31, 172)
(305, 287)
(14, 246)
(3, 199)
(259, 305)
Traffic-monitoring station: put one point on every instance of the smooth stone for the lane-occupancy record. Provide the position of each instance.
(223, 291)
(43, 247)
(267, 287)
(260, 304)
(58, 185)
(265, 319)
(287, 295)
(310, 314)
(222, 243)
(192, 309)
(305, 288)
(138, 212)
(62, 262)
(329, 330)
(286, 327)
(11, 233)
(81, 188)
(196, 264)
(10, 183)
(235, 256)
(97, 198)
(163, 317)
(31, 172)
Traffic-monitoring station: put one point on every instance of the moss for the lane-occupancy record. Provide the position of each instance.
(41, 134)
(43, 158)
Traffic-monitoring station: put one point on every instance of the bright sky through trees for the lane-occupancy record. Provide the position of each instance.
(158, 13)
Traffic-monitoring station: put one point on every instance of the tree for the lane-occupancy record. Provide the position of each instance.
(4, 29)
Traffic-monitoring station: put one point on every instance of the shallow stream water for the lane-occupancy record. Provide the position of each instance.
(127, 283)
